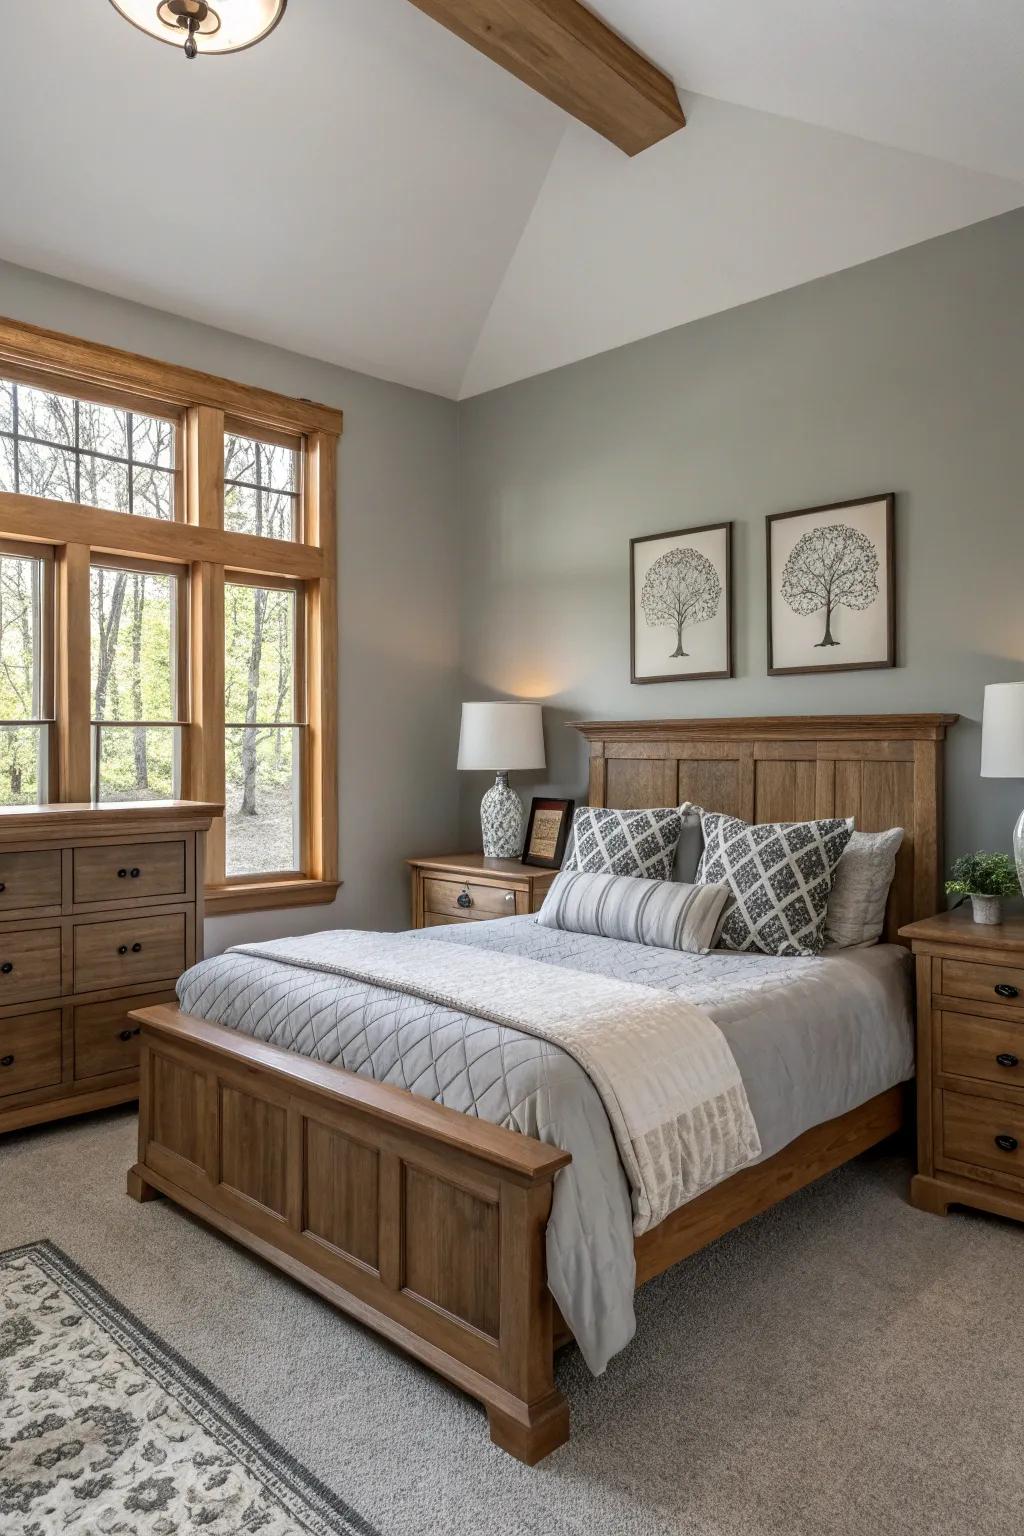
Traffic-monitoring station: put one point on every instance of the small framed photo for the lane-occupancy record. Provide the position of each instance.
(547, 832)
(832, 587)
(680, 604)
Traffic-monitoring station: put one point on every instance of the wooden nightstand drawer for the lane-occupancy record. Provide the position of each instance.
(29, 1052)
(29, 880)
(128, 951)
(129, 872)
(452, 898)
(986, 1133)
(1000, 984)
(990, 1049)
(29, 965)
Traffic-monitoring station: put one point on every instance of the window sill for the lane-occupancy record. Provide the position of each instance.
(269, 895)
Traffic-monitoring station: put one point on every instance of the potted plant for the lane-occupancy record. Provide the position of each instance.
(986, 878)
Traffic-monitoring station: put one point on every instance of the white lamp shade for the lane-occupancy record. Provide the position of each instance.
(501, 736)
(1002, 732)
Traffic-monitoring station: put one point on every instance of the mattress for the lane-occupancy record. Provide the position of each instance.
(812, 1038)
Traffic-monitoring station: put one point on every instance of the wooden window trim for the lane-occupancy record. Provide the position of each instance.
(79, 535)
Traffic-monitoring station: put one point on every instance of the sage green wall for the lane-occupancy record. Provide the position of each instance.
(903, 374)
(397, 595)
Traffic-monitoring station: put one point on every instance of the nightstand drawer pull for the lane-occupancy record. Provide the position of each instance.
(464, 899)
(122, 874)
(510, 896)
(1007, 1059)
(122, 949)
(7, 967)
(1004, 989)
(1007, 1143)
(124, 1034)
(6, 1061)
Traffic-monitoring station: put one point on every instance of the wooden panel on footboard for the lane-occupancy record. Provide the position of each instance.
(423, 1223)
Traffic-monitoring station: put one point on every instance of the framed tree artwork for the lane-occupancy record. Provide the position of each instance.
(680, 604)
(831, 587)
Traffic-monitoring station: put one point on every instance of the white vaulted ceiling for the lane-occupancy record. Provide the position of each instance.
(367, 189)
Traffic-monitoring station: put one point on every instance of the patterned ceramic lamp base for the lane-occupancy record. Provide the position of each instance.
(501, 820)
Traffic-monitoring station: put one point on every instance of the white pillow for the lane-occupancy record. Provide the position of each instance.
(662, 913)
(856, 907)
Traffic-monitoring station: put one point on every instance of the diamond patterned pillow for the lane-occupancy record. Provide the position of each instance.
(781, 876)
(641, 843)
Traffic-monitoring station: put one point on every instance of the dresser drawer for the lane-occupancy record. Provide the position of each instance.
(991, 1049)
(985, 1132)
(983, 983)
(129, 872)
(442, 898)
(29, 964)
(129, 950)
(106, 1039)
(29, 880)
(438, 920)
(29, 1052)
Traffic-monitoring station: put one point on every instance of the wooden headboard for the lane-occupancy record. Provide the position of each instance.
(883, 770)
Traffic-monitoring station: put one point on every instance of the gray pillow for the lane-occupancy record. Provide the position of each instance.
(641, 843)
(780, 874)
(856, 907)
(662, 913)
(691, 845)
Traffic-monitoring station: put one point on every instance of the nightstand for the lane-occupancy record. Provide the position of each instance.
(970, 1063)
(467, 888)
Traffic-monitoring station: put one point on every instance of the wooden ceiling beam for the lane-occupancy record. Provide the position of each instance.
(569, 55)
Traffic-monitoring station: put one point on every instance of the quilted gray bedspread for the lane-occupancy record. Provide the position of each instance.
(812, 1039)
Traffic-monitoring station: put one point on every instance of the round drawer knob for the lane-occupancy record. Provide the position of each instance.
(7, 967)
(6, 1061)
(1004, 989)
(125, 1034)
(464, 899)
(122, 949)
(136, 873)
(122, 874)
(136, 949)
(1007, 1059)
(2, 886)
(1007, 1143)
(510, 895)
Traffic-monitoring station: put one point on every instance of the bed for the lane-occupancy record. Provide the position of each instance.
(448, 1233)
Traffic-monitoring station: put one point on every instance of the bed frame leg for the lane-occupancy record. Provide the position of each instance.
(543, 1427)
(139, 1189)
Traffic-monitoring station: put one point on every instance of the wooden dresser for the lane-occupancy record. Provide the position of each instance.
(467, 888)
(101, 910)
(970, 1063)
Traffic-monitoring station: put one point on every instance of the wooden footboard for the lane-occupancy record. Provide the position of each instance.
(425, 1224)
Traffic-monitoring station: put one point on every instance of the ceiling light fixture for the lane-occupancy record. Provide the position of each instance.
(196, 26)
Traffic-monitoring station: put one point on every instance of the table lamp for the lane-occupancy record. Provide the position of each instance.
(1002, 747)
(501, 737)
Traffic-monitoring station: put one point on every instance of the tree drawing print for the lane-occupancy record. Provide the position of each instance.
(680, 589)
(831, 567)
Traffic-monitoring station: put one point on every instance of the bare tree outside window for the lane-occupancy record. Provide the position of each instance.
(831, 567)
(682, 588)
(134, 684)
(22, 745)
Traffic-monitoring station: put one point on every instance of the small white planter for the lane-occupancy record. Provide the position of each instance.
(987, 909)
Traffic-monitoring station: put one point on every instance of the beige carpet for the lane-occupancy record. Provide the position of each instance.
(843, 1364)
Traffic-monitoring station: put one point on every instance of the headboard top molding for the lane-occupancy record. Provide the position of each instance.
(883, 770)
(774, 728)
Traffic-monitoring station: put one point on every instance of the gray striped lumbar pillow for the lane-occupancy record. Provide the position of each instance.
(663, 913)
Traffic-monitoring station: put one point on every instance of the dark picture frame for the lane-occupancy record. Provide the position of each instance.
(564, 809)
(683, 534)
(886, 587)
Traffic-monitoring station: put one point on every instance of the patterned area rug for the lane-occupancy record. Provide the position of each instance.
(105, 1429)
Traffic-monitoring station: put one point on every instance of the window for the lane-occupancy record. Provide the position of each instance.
(66, 449)
(26, 675)
(263, 749)
(168, 620)
(137, 673)
(261, 486)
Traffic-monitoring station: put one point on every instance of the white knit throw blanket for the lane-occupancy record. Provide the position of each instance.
(666, 1076)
